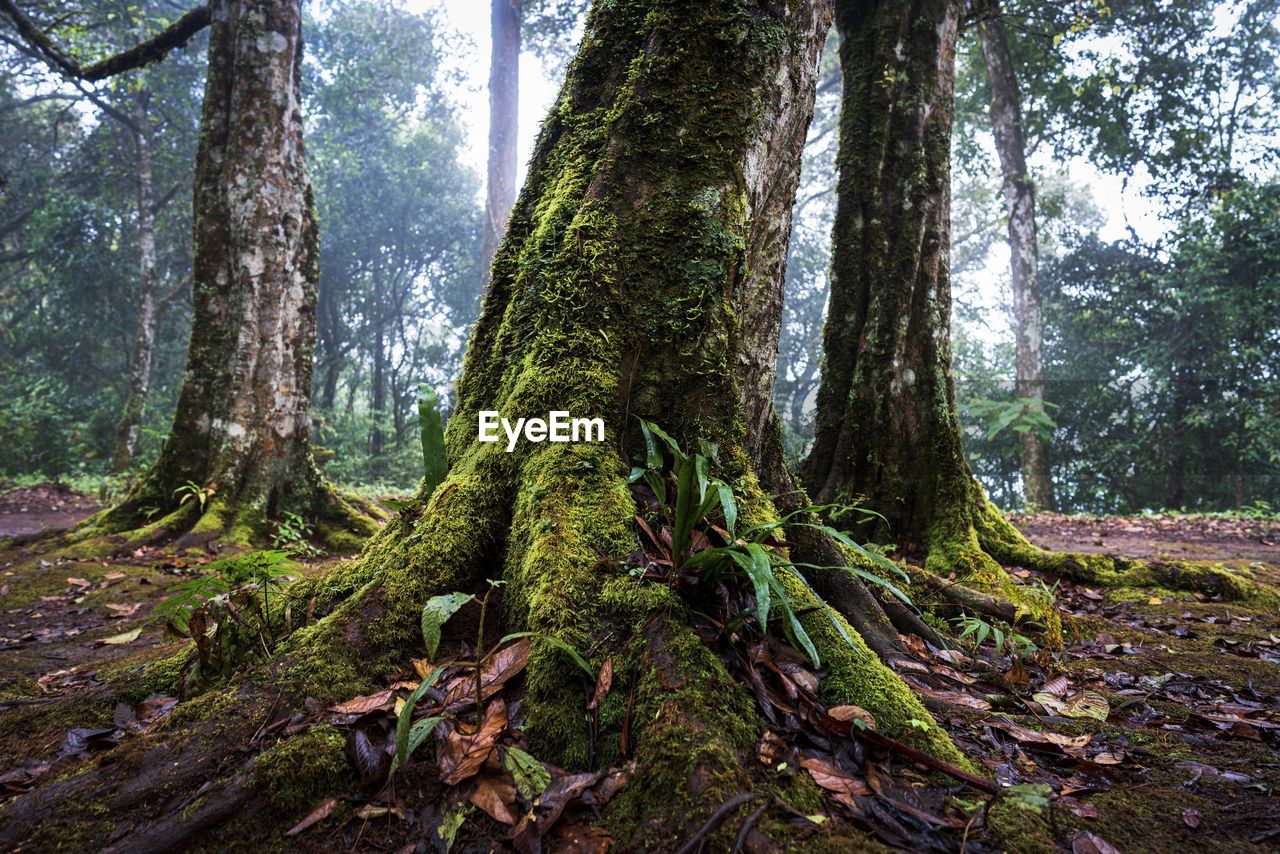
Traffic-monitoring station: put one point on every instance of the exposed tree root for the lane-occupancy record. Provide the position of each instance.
(692, 726)
(225, 517)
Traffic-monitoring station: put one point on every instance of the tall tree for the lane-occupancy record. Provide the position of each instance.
(239, 449)
(1024, 253)
(504, 118)
(888, 435)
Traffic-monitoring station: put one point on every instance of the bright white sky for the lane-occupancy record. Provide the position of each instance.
(469, 20)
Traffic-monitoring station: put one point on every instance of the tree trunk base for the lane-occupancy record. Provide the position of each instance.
(692, 725)
(228, 517)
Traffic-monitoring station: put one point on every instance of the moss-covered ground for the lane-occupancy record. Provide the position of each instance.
(1169, 769)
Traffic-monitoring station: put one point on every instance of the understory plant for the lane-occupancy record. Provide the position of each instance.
(226, 610)
(695, 543)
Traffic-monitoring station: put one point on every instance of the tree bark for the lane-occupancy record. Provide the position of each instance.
(886, 425)
(1024, 252)
(504, 117)
(241, 432)
(887, 431)
(145, 337)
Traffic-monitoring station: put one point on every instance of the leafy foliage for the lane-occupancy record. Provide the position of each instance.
(431, 434)
(696, 510)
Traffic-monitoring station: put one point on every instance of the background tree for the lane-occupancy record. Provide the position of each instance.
(1024, 253)
(546, 24)
(239, 450)
(82, 224)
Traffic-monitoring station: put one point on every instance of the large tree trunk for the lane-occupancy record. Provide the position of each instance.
(886, 424)
(145, 337)
(504, 117)
(241, 432)
(1024, 253)
(640, 263)
(887, 432)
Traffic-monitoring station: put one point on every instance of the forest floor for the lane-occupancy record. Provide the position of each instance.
(1156, 731)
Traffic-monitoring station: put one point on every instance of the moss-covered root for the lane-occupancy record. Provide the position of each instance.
(371, 607)
(856, 676)
(984, 588)
(183, 766)
(1006, 544)
(343, 521)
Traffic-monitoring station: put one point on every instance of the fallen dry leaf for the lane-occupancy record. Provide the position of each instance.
(368, 703)
(498, 669)
(319, 813)
(496, 795)
(843, 786)
(127, 637)
(462, 754)
(852, 713)
(1091, 843)
(604, 681)
(1082, 704)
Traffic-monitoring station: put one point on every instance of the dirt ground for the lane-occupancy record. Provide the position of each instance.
(1156, 730)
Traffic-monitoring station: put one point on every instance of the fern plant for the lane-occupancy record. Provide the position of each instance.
(236, 591)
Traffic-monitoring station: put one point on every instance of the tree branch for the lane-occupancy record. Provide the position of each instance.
(152, 50)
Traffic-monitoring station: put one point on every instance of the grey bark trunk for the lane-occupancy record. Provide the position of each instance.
(144, 339)
(1020, 202)
(242, 425)
(504, 116)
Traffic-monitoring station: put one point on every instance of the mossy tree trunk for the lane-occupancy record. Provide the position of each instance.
(887, 431)
(1024, 253)
(641, 275)
(241, 432)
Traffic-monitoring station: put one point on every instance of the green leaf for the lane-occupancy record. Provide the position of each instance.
(801, 637)
(653, 455)
(686, 513)
(418, 733)
(558, 644)
(728, 505)
(531, 778)
(405, 744)
(435, 466)
(452, 823)
(700, 466)
(436, 613)
(758, 568)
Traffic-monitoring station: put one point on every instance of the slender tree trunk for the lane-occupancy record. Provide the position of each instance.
(145, 337)
(1024, 252)
(329, 346)
(241, 432)
(887, 432)
(379, 392)
(504, 117)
